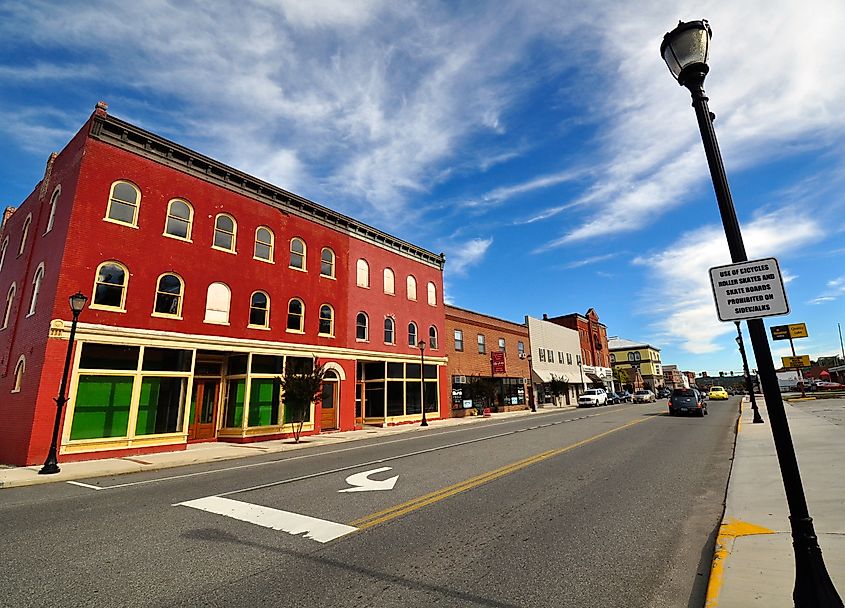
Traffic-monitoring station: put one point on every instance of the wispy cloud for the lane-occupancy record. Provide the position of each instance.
(592, 260)
(835, 289)
(460, 257)
(504, 193)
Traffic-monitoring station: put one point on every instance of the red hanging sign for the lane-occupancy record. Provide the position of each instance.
(497, 360)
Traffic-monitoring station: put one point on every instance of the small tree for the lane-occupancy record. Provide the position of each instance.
(556, 387)
(301, 387)
(483, 392)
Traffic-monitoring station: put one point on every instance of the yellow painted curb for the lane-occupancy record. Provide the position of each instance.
(729, 531)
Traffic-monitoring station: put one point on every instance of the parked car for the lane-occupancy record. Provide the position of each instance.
(664, 393)
(625, 396)
(686, 401)
(643, 396)
(614, 397)
(593, 397)
(717, 392)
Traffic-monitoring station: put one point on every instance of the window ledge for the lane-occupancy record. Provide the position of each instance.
(107, 308)
(294, 331)
(29, 314)
(325, 335)
(224, 250)
(215, 322)
(263, 260)
(119, 223)
(326, 276)
(13, 391)
(161, 315)
(261, 327)
(298, 269)
(364, 341)
(167, 235)
(362, 286)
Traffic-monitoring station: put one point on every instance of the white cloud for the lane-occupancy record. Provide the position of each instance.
(835, 288)
(591, 260)
(468, 253)
(680, 295)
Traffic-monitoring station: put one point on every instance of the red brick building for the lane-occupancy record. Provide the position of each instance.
(474, 342)
(593, 336)
(204, 284)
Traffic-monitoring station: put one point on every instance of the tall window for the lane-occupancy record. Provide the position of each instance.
(520, 348)
(259, 309)
(612, 358)
(19, 370)
(362, 331)
(217, 302)
(390, 282)
(54, 200)
(459, 340)
(502, 344)
(36, 287)
(180, 215)
(569, 358)
(124, 201)
(25, 233)
(110, 286)
(412, 334)
(297, 253)
(10, 300)
(327, 263)
(389, 331)
(225, 232)
(482, 346)
(432, 294)
(362, 273)
(432, 337)
(169, 295)
(411, 284)
(263, 244)
(3, 251)
(326, 320)
(296, 315)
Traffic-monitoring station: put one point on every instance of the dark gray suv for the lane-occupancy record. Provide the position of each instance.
(687, 401)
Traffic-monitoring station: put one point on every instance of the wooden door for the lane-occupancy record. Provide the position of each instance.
(203, 418)
(328, 420)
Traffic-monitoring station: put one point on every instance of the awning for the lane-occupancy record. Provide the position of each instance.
(546, 376)
(595, 378)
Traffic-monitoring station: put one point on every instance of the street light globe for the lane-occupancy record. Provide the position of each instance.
(421, 345)
(686, 49)
(77, 302)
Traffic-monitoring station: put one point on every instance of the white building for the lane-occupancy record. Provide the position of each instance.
(555, 353)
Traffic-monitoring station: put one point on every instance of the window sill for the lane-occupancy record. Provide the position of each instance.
(305, 270)
(260, 327)
(224, 250)
(29, 314)
(325, 335)
(176, 238)
(13, 391)
(161, 315)
(119, 223)
(362, 286)
(215, 322)
(364, 341)
(294, 331)
(326, 276)
(263, 260)
(107, 308)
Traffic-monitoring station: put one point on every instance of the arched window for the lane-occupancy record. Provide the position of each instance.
(225, 232)
(411, 287)
(25, 233)
(389, 282)
(3, 251)
(612, 358)
(296, 315)
(297, 253)
(327, 263)
(326, 320)
(110, 285)
(432, 294)
(259, 309)
(169, 295)
(54, 200)
(180, 216)
(432, 337)
(36, 287)
(10, 300)
(389, 331)
(217, 301)
(412, 334)
(264, 241)
(362, 330)
(20, 367)
(362, 273)
(124, 201)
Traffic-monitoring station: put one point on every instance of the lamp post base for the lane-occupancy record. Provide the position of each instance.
(51, 466)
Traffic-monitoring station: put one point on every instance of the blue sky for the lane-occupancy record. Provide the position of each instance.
(542, 145)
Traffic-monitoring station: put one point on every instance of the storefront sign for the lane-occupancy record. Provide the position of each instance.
(799, 361)
(749, 290)
(785, 332)
(497, 360)
(467, 404)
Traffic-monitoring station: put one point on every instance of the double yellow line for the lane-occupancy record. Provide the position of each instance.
(375, 519)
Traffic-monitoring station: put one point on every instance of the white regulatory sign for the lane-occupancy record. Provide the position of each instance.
(749, 290)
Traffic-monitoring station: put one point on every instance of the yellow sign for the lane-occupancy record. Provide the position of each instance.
(799, 361)
(797, 330)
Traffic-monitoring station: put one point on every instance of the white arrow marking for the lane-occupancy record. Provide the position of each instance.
(363, 483)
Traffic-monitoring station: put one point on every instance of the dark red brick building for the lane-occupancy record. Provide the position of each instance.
(204, 284)
(592, 333)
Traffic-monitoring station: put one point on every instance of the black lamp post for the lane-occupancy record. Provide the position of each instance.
(685, 51)
(421, 346)
(51, 465)
(531, 399)
(749, 384)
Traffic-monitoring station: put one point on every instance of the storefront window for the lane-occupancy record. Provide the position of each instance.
(109, 356)
(234, 415)
(264, 401)
(395, 398)
(102, 407)
(161, 405)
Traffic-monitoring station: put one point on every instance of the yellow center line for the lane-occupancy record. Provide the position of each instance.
(395, 511)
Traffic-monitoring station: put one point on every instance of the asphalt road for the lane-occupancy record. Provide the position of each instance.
(611, 506)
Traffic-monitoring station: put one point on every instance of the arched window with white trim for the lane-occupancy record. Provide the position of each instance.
(389, 282)
(10, 300)
(218, 299)
(326, 320)
(432, 294)
(110, 286)
(3, 251)
(362, 273)
(259, 309)
(36, 288)
(20, 368)
(296, 316)
(432, 337)
(180, 217)
(169, 295)
(25, 233)
(412, 334)
(389, 330)
(225, 233)
(124, 202)
(264, 243)
(411, 284)
(297, 253)
(362, 328)
(54, 201)
(327, 263)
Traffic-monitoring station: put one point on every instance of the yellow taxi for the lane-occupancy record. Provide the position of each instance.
(717, 392)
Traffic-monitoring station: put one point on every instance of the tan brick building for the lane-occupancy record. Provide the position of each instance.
(473, 340)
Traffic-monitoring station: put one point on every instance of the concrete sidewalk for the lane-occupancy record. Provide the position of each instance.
(200, 453)
(754, 562)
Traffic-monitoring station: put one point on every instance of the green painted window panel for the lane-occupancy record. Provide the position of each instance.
(161, 405)
(235, 403)
(102, 407)
(264, 402)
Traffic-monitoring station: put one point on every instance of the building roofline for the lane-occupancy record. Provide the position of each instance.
(577, 315)
(481, 314)
(141, 142)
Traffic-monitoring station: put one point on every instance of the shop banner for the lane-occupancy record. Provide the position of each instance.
(497, 359)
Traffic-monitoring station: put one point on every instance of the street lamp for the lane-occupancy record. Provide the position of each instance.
(748, 382)
(421, 346)
(51, 465)
(531, 399)
(685, 51)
